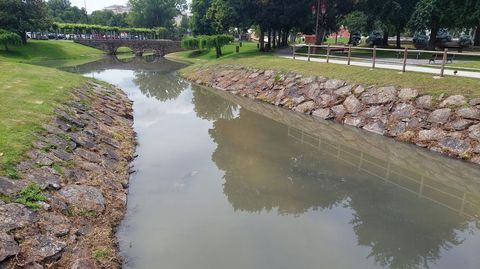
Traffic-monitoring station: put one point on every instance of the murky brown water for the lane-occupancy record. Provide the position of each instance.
(227, 183)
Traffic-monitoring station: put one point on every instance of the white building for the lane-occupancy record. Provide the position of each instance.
(119, 9)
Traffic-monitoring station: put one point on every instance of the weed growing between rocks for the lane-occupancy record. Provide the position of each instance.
(30, 196)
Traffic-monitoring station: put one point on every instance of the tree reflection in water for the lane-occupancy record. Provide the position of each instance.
(221, 108)
(266, 170)
(161, 85)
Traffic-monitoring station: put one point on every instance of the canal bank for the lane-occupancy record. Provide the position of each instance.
(446, 124)
(61, 205)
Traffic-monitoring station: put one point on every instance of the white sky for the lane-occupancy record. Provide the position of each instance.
(97, 4)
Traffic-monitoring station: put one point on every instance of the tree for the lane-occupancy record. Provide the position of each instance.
(356, 22)
(328, 14)
(184, 26)
(9, 39)
(108, 18)
(390, 15)
(155, 13)
(470, 18)
(200, 23)
(434, 15)
(23, 16)
(62, 11)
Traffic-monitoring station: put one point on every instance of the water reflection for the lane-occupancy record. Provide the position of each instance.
(280, 184)
(403, 228)
(161, 85)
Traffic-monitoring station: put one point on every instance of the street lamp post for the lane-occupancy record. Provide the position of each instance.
(321, 10)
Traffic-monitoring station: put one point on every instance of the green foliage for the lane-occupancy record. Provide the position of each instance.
(23, 16)
(9, 39)
(207, 42)
(30, 195)
(155, 13)
(191, 43)
(63, 11)
(200, 23)
(356, 22)
(108, 18)
(90, 28)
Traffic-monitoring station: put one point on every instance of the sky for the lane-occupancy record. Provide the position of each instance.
(97, 4)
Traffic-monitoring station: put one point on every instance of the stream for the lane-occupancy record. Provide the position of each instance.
(228, 183)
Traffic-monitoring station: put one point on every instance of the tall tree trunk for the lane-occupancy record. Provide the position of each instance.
(399, 41)
(385, 38)
(433, 35)
(262, 39)
(274, 39)
(269, 45)
(476, 40)
(285, 37)
(279, 39)
(318, 26)
(23, 35)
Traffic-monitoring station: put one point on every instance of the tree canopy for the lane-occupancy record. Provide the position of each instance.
(23, 16)
(155, 13)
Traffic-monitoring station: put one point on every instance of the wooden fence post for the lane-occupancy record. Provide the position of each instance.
(308, 52)
(349, 53)
(444, 62)
(374, 56)
(405, 57)
(328, 54)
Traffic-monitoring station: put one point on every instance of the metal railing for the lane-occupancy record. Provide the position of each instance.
(445, 55)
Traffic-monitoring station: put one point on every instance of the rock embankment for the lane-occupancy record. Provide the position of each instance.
(449, 125)
(70, 193)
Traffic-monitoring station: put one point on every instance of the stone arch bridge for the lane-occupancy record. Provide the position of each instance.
(158, 47)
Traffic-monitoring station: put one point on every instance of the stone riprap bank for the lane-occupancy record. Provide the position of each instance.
(449, 125)
(81, 162)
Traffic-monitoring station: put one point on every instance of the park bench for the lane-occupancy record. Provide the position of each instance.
(439, 57)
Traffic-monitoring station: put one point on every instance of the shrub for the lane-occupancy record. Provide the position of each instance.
(207, 42)
(9, 39)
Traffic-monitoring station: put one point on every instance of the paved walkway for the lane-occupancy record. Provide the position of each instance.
(379, 64)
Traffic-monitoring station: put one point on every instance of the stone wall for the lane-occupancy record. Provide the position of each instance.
(81, 163)
(449, 125)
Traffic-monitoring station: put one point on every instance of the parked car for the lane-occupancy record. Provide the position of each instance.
(375, 38)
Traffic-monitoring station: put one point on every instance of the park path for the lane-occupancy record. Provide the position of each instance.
(287, 53)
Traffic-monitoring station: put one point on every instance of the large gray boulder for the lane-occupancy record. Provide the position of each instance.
(43, 247)
(352, 104)
(474, 132)
(454, 100)
(8, 246)
(84, 198)
(440, 116)
(15, 216)
(377, 96)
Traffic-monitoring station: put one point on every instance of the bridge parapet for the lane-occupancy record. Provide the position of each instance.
(159, 47)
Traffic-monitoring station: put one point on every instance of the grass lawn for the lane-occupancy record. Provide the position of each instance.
(55, 53)
(29, 93)
(248, 48)
(251, 58)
